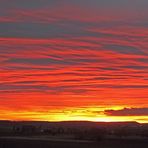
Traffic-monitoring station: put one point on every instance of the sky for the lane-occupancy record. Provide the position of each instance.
(74, 60)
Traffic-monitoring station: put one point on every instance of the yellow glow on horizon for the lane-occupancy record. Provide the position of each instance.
(57, 118)
(71, 114)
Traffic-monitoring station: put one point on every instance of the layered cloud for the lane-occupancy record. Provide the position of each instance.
(69, 54)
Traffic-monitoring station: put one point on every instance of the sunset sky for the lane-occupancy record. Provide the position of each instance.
(74, 60)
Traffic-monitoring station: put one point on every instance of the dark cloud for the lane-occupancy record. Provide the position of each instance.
(123, 49)
(23, 87)
(128, 112)
(32, 4)
(41, 61)
(38, 30)
(27, 4)
(129, 86)
(136, 67)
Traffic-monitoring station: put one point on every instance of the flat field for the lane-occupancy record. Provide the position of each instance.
(44, 143)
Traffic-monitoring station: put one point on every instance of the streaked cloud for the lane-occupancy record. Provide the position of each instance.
(70, 53)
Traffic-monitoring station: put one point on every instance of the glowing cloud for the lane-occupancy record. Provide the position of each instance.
(58, 57)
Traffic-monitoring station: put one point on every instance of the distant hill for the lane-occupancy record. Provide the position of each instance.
(70, 124)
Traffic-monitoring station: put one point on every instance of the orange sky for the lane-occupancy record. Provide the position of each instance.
(73, 61)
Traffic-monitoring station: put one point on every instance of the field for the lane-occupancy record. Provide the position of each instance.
(73, 135)
(44, 143)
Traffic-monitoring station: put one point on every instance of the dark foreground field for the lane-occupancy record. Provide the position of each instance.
(34, 143)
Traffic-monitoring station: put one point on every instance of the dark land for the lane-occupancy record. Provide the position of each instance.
(73, 134)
